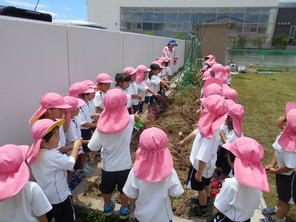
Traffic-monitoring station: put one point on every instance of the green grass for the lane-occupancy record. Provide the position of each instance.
(264, 97)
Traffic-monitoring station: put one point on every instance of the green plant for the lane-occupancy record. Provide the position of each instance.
(258, 41)
(280, 41)
(148, 33)
(241, 41)
(179, 35)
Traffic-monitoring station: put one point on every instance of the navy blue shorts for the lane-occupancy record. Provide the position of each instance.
(149, 100)
(110, 180)
(197, 185)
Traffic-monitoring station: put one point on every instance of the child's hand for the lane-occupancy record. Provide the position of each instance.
(271, 170)
(197, 101)
(156, 95)
(78, 143)
(282, 122)
(181, 143)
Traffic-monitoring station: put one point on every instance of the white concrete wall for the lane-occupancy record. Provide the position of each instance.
(38, 57)
(107, 12)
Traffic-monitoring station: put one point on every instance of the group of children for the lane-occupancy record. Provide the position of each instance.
(68, 130)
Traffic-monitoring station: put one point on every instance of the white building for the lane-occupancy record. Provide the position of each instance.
(167, 17)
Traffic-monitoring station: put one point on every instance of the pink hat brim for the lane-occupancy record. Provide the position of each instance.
(249, 173)
(106, 81)
(40, 111)
(212, 80)
(11, 184)
(153, 166)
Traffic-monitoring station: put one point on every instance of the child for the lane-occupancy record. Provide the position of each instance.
(154, 83)
(204, 150)
(166, 71)
(113, 134)
(123, 82)
(80, 90)
(285, 159)
(103, 85)
(133, 89)
(231, 131)
(91, 104)
(73, 133)
(141, 76)
(153, 181)
(20, 199)
(240, 195)
(169, 51)
(53, 107)
(49, 167)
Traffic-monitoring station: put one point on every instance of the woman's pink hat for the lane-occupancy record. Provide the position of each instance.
(129, 71)
(78, 88)
(213, 115)
(141, 69)
(75, 103)
(154, 161)
(49, 101)
(38, 131)
(229, 93)
(90, 84)
(288, 138)
(115, 117)
(248, 169)
(237, 113)
(103, 78)
(14, 172)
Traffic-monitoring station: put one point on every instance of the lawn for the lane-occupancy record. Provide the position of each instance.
(264, 97)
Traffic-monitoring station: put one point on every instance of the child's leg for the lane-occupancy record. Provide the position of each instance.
(124, 200)
(107, 198)
(202, 197)
(121, 180)
(283, 209)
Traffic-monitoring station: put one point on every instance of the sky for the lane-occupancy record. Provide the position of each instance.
(59, 9)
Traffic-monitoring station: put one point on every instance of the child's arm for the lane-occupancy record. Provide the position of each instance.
(187, 139)
(273, 162)
(153, 92)
(136, 96)
(43, 218)
(76, 148)
(65, 149)
(89, 125)
(95, 115)
(282, 169)
(223, 136)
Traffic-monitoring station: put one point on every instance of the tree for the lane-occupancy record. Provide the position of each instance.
(259, 41)
(241, 41)
(179, 35)
(280, 41)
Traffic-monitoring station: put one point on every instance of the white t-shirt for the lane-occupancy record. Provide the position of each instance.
(116, 154)
(134, 91)
(166, 71)
(283, 157)
(205, 150)
(128, 91)
(153, 202)
(99, 98)
(28, 204)
(50, 172)
(142, 88)
(83, 116)
(230, 134)
(236, 201)
(154, 84)
(62, 141)
(91, 107)
(73, 132)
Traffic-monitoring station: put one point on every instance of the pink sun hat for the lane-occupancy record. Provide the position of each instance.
(237, 113)
(213, 115)
(164, 59)
(288, 138)
(219, 71)
(248, 169)
(211, 81)
(115, 117)
(14, 172)
(141, 69)
(207, 74)
(78, 88)
(154, 161)
(49, 101)
(227, 71)
(210, 63)
(38, 131)
(129, 71)
(103, 78)
(210, 58)
(90, 84)
(159, 64)
(213, 89)
(229, 93)
(75, 103)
